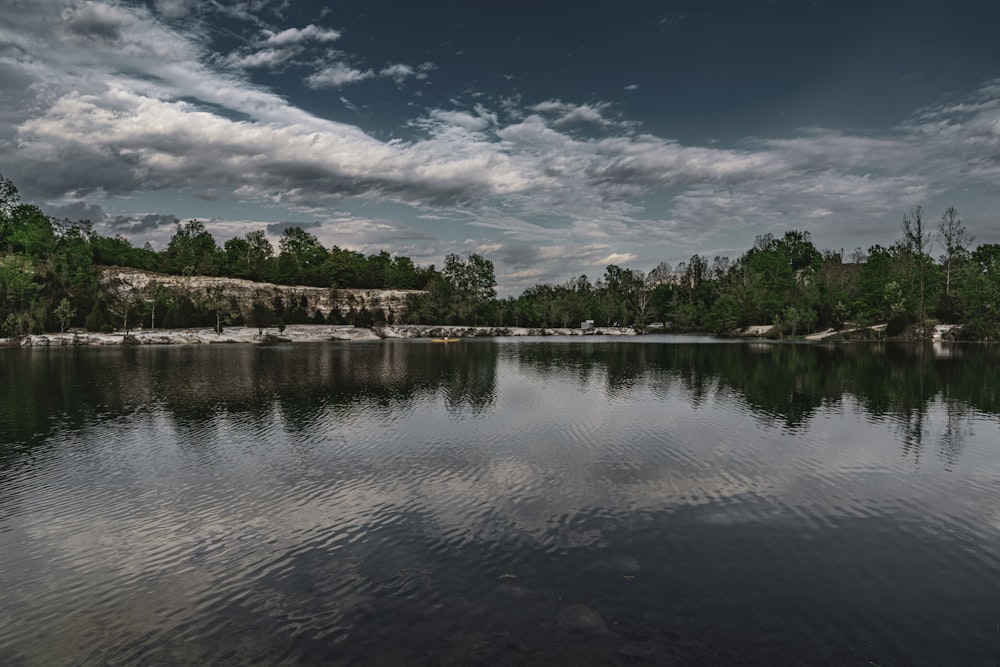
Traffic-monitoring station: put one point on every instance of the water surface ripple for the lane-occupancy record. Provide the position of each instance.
(408, 503)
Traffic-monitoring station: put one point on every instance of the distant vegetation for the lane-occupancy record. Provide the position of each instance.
(788, 283)
(50, 281)
(50, 274)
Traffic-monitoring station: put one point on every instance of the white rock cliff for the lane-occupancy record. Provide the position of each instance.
(246, 292)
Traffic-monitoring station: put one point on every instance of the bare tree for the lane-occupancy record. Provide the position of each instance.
(122, 303)
(660, 275)
(638, 290)
(955, 240)
(720, 267)
(157, 293)
(915, 241)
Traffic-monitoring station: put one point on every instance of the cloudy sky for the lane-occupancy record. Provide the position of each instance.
(552, 137)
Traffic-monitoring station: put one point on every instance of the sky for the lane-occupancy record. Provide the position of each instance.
(553, 138)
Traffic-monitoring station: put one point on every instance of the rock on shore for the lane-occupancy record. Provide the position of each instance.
(292, 333)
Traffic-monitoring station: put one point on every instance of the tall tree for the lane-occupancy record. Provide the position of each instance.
(955, 240)
(977, 294)
(472, 281)
(192, 251)
(302, 258)
(916, 240)
(64, 312)
(9, 200)
(661, 274)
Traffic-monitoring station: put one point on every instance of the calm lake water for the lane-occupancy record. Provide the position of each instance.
(662, 501)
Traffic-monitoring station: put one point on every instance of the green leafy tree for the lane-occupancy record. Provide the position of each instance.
(344, 268)
(237, 252)
(261, 316)
(472, 282)
(616, 288)
(17, 282)
(223, 308)
(378, 269)
(250, 257)
(30, 232)
(402, 274)
(302, 259)
(14, 325)
(192, 251)
(113, 251)
(64, 312)
(72, 263)
(977, 294)
(873, 275)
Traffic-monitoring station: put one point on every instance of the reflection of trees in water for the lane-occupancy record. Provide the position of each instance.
(623, 366)
(958, 426)
(788, 383)
(468, 375)
(42, 389)
(555, 360)
(914, 430)
(785, 383)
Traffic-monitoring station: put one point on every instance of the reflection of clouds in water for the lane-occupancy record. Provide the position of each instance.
(354, 463)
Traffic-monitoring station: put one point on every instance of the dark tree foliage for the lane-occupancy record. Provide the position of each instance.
(50, 281)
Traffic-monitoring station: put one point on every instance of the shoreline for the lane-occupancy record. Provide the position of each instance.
(317, 333)
(294, 333)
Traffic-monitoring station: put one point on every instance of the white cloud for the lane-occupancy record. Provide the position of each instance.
(552, 106)
(568, 114)
(337, 75)
(518, 176)
(461, 119)
(310, 33)
(619, 258)
(264, 58)
(277, 49)
(399, 72)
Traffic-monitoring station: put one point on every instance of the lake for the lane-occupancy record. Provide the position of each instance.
(660, 500)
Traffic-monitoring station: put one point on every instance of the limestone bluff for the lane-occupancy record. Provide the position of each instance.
(138, 284)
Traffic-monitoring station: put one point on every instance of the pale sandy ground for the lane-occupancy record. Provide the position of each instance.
(307, 333)
(295, 333)
(761, 330)
(939, 331)
(756, 330)
(823, 335)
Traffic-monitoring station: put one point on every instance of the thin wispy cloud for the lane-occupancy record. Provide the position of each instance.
(311, 33)
(337, 75)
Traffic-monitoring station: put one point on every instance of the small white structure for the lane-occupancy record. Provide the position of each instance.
(587, 324)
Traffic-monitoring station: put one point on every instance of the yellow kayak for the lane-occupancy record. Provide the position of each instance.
(445, 340)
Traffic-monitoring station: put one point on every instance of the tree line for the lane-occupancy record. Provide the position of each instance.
(49, 281)
(50, 274)
(786, 282)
